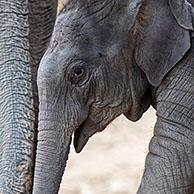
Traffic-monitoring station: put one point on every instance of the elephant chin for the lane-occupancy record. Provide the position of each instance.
(133, 118)
(136, 112)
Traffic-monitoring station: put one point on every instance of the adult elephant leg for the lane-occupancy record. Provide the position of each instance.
(16, 104)
(170, 163)
(18, 101)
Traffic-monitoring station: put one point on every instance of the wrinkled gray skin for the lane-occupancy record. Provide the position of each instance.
(109, 57)
(25, 30)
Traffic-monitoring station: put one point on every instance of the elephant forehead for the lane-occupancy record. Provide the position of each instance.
(55, 62)
(91, 19)
(101, 10)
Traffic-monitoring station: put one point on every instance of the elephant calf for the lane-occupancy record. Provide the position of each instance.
(108, 57)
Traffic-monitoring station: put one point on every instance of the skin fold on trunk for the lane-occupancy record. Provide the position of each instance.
(25, 30)
(170, 163)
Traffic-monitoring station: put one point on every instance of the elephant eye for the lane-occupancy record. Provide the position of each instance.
(78, 71)
(78, 74)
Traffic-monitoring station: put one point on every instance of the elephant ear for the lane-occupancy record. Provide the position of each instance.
(183, 12)
(163, 42)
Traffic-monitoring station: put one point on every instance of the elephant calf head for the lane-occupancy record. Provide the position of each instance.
(102, 59)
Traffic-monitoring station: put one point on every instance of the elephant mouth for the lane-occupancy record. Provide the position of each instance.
(82, 135)
(87, 129)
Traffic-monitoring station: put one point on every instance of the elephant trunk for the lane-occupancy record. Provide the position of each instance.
(52, 153)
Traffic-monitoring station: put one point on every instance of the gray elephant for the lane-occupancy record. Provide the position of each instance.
(111, 57)
(25, 30)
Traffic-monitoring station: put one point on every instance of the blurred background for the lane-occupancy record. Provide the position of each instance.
(112, 162)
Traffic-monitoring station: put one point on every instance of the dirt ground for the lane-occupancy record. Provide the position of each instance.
(112, 162)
